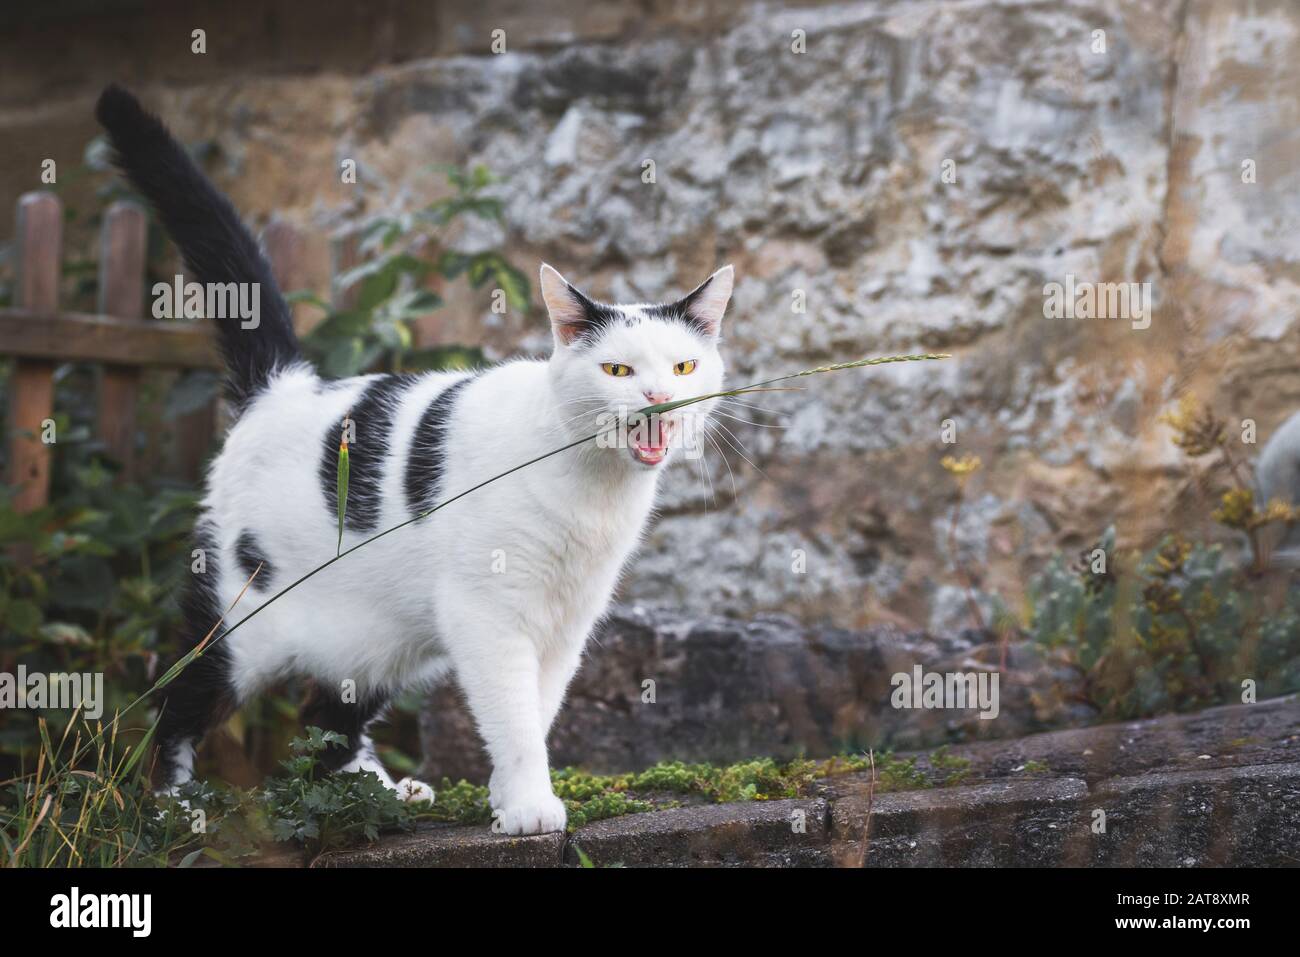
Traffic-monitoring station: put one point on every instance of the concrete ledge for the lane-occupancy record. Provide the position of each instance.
(440, 845)
(1204, 807)
(1001, 824)
(748, 834)
(1241, 816)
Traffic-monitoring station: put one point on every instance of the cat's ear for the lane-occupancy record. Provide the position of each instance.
(566, 305)
(704, 306)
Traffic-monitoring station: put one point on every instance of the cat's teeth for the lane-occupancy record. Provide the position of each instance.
(647, 455)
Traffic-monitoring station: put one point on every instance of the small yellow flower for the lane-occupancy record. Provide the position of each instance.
(1170, 557)
(1197, 430)
(961, 467)
(1278, 510)
(1237, 509)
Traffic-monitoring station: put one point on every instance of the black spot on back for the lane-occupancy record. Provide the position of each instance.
(249, 556)
(427, 461)
(372, 418)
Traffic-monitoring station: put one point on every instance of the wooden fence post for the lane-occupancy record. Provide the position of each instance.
(121, 294)
(284, 250)
(345, 252)
(39, 241)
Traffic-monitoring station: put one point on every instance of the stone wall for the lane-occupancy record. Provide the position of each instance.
(662, 686)
(817, 172)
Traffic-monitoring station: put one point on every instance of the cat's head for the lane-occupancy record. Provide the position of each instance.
(610, 360)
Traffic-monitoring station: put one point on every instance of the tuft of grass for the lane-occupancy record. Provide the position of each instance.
(93, 813)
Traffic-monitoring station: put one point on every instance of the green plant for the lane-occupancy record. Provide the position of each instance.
(321, 810)
(1175, 628)
(955, 769)
(88, 583)
(73, 813)
(391, 288)
(1200, 433)
(592, 797)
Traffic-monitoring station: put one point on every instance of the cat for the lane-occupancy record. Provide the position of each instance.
(500, 588)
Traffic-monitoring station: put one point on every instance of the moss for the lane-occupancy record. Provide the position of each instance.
(955, 769)
(594, 797)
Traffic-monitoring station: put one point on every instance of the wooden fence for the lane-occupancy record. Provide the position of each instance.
(120, 338)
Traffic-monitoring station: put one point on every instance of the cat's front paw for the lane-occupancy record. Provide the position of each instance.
(414, 792)
(538, 815)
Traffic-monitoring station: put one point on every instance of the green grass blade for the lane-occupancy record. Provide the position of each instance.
(140, 749)
(342, 486)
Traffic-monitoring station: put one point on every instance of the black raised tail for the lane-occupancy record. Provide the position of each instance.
(215, 244)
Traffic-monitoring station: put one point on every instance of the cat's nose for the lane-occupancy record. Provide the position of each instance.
(656, 398)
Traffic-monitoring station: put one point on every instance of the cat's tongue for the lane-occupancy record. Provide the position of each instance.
(652, 449)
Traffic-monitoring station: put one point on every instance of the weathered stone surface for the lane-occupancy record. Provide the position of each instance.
(436, 845)
(817, 172)
(1214, 787)
(748, 834)
(1230, 736)
(1239, 816)
(1029, 823)
(726, 690)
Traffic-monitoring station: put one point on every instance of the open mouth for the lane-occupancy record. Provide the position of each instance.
(649, 444)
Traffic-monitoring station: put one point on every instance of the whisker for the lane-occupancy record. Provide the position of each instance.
(735, 493)
(753, 405)
(704, 471)
(735, 443)
(761, 425)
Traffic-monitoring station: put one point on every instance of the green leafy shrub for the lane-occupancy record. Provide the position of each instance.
(89, 583)
(305, 805)
(1177, 628)
(390, 290)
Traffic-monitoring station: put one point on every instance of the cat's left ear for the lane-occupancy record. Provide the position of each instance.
(704, 307)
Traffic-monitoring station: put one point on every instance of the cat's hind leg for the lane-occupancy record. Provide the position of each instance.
(203, 694)
(333, 711)
(197, 700)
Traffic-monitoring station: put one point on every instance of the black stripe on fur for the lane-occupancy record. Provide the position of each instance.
(427, 460)
(372, 419)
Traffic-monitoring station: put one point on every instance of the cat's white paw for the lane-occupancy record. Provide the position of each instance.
(414, 792)
(539, 815)
(172, 793)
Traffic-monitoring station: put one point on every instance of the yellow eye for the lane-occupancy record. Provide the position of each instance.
(616, 369)
(684, 368)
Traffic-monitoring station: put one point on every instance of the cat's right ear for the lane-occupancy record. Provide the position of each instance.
(566, 305)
